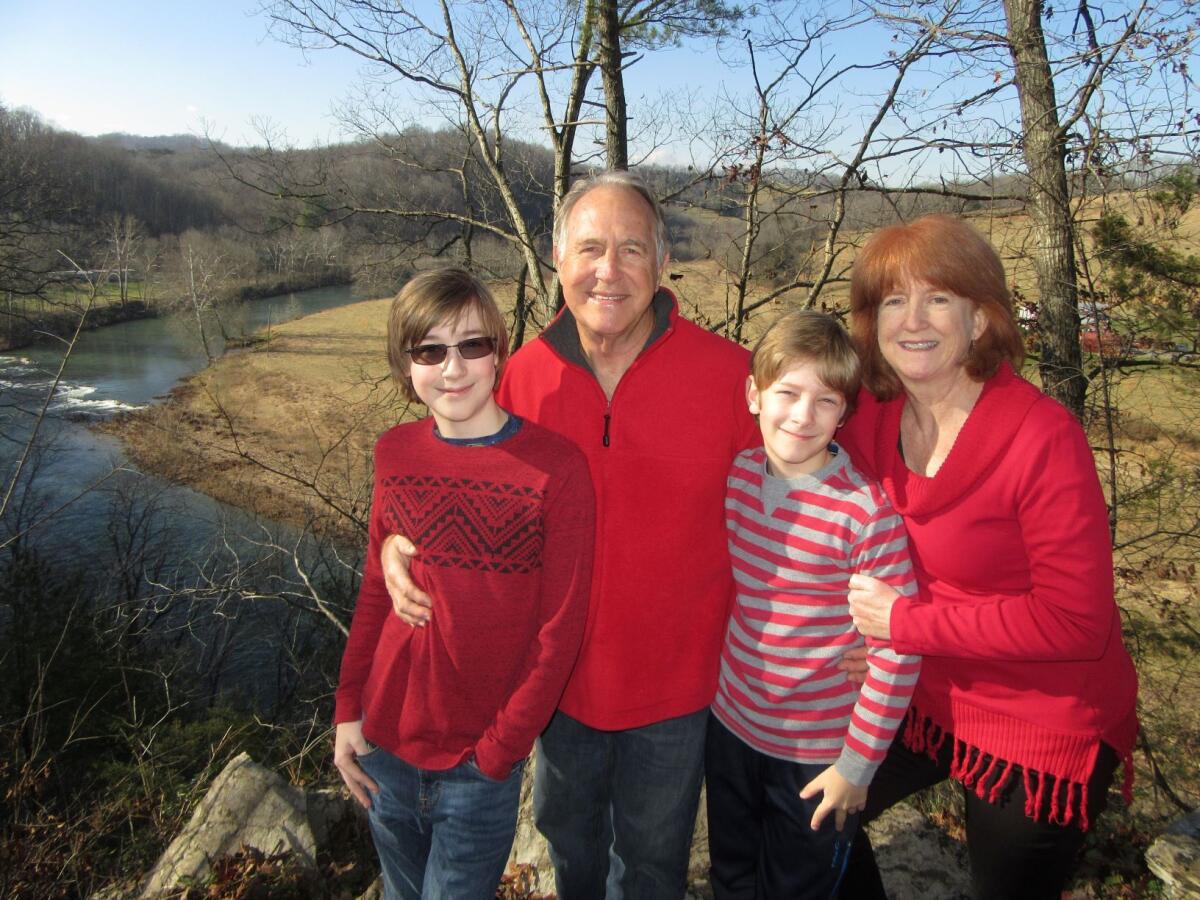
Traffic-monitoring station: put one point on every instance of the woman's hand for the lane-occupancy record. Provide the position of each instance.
(409, 602)
(854, 664)
(838, 796)
(871, 602)
(348, 745)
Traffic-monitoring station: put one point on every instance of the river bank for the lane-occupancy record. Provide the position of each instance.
(284, 429)
(21, 330)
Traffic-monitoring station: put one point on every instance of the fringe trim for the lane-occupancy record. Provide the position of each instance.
(1068, 800)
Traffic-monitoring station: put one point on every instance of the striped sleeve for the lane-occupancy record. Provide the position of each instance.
(881, 551)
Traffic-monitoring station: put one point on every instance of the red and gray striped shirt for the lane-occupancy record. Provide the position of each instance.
(794, 545)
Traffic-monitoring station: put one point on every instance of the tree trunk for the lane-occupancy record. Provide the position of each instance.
(1049, 208)
(520, 313)
(616, 141)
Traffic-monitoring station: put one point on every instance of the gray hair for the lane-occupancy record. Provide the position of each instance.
(611, 178)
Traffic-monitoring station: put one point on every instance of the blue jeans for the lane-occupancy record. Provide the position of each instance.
(618, 807)
(440, 835)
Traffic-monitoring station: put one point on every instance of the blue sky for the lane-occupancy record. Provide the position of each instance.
(166, 67)
(171, 67)
(162, 68)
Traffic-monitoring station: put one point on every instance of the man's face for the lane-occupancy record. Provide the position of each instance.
(609, 265)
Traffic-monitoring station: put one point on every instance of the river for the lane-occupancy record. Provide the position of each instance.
(58, 505)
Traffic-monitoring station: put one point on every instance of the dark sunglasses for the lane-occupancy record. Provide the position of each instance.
(435, 354)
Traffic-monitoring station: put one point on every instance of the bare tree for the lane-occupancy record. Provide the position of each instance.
(125, 238)
(206, 275)
(486, 71)
(1093, 93)
(31, 207)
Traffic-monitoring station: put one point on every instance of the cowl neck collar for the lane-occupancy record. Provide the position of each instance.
(985, 437)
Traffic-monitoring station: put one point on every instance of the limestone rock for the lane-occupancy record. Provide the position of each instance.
(1175, 857)
(530, 857)
(328, 808)
(917, 860)
(246, 804)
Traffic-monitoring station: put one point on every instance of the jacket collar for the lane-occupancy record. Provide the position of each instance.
(562, 334)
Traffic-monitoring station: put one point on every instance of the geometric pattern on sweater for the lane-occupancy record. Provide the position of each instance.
(465, 523)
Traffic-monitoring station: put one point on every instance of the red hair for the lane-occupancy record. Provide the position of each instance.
(946, 253)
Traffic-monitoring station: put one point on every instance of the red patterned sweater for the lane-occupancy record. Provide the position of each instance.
(506, 538)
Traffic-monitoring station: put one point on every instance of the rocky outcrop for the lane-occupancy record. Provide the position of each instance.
(918, 861)
(247, 805)
(1175, 857)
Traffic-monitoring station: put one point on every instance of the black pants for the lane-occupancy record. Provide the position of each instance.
(1011, 855)
(759, 838)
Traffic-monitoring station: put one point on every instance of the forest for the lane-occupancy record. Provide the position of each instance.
(201, 628)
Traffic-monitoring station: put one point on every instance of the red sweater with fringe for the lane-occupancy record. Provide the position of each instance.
(1024, 661)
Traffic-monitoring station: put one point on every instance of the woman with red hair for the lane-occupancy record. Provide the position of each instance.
(1026, 696)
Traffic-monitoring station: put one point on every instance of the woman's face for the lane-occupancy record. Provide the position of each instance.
(925, 332)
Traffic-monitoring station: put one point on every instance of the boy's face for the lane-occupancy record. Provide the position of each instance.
(798, 415)
(458, 391)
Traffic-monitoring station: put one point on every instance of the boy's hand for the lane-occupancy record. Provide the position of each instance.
(871, 602)
(348, 745)
(854, 664)
(409, 602)
(839, 796)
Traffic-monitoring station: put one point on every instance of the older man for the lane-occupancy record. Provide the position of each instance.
(658, 406)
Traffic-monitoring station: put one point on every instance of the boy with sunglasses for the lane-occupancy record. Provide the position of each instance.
(434, 723)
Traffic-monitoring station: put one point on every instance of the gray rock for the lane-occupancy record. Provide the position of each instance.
(328, 808)
(918, 861)
(246, 804)
(1175, 857)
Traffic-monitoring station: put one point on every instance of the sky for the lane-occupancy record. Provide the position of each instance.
(163, 67)
(169, 67)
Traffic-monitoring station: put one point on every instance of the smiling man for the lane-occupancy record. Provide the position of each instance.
(658, 406)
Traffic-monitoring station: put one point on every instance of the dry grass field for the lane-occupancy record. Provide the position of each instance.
(286, 428)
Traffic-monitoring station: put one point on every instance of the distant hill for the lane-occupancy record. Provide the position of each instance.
(159, 143)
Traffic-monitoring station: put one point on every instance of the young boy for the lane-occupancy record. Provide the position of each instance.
(434, 723)
(792, 743)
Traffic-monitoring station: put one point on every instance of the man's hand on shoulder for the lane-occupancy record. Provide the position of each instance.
(409, 602)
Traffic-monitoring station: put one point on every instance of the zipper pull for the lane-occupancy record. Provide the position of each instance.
(607, 419)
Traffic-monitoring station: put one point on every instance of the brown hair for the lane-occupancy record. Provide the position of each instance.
(950, 255)
(428, 300)
(805, 335)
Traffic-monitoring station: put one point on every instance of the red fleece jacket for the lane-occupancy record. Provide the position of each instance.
(1021, 638)
(658, 454)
